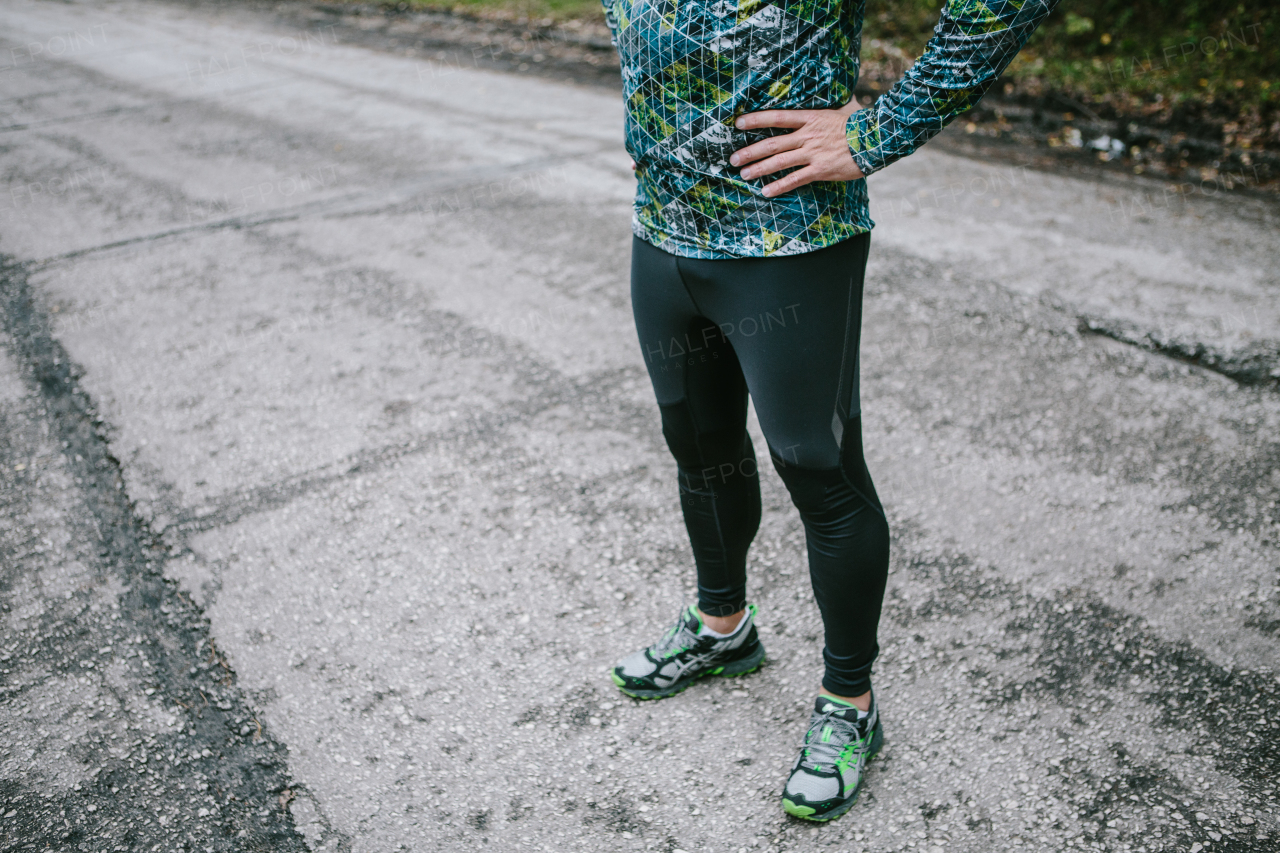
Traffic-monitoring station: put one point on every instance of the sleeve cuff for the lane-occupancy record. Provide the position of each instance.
(862, 132)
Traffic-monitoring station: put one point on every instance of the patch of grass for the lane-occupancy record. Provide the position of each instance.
(1211, 67)
(1149, 51)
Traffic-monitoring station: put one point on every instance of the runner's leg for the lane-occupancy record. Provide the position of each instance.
(703, 400)
(794, 325)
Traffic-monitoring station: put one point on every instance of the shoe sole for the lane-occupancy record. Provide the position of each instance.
(877, 743)
(747, 665)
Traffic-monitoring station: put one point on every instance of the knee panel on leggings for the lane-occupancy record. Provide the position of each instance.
(810, 488)
(695, 451)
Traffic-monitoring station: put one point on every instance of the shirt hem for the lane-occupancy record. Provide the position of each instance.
(672, 245)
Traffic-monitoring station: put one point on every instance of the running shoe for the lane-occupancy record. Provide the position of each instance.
(827, 776)
(686, 653)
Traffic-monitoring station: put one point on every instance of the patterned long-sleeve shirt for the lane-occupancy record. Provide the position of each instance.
(689, 69)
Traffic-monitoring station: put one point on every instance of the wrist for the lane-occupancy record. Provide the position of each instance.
(850, 108)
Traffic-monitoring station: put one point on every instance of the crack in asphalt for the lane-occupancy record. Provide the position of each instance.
(446, 333)
(345, 205)
(1255, 365)
(158, 747)
(993, 332)
(69, 119)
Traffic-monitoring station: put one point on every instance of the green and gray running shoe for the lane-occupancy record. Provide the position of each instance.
(825, 781)
(686, 653)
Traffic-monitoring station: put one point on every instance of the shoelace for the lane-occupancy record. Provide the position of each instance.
(816, 751)
(672, 639)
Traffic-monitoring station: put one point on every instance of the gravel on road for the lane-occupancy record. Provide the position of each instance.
(333, 483)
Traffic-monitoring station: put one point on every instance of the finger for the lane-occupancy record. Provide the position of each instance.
(777, 163)
(765, 148)
(807, 175)
(773, 118)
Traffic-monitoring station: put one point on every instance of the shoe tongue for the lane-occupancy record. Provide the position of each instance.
(843, 709)
(692, 620)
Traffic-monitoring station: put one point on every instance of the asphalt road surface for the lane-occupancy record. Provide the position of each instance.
(332, 483)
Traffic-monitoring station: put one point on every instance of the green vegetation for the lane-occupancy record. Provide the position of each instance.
(1178, 49)
(1213, 64)
(1210, 68)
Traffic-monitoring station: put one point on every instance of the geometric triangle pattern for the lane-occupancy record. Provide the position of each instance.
(690, 69)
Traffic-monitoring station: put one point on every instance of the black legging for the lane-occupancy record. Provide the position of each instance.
(784, 329)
